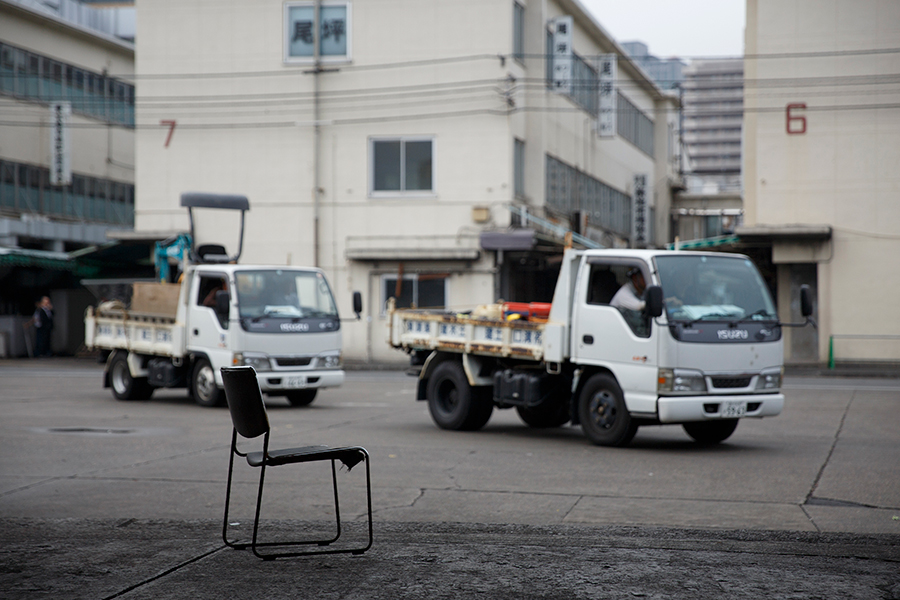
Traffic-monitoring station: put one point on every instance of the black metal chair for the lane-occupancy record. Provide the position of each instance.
(248, 415)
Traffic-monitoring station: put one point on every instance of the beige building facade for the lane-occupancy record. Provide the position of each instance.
(66, 159)
(425, 150)
(822, 168)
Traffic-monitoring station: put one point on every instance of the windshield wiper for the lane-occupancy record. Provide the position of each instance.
(749, 317)
(707, 317)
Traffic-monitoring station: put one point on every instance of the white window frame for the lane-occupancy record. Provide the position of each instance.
(373, 193)
(307, 60)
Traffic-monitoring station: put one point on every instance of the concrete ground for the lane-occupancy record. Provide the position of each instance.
(134, 559)
(49, 553)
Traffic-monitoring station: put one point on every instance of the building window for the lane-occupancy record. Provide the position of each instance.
(333, 31)
(585, 88)
(36, 77)
(26, 188)
(585, 85)
(519, 168)
(415, 291)
(571, 191)
(634, 125)
(401, 165)
(518, 32)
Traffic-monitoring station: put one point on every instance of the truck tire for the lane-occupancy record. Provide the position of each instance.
(545, 416)
(203, 385)
(604, 417)
(453, 403)
(301, 397)
(124, 386)
(711, 432)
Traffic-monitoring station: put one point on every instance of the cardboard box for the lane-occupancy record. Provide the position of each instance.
(155, 298)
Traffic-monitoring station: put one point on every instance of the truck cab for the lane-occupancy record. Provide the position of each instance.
(282, 321)
(710, 354)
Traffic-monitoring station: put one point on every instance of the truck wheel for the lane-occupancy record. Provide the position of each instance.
(124, 386)
(301, 397)
(604, 418)
(711, 432)
(453, 403)
(551, 414)
(203, 385)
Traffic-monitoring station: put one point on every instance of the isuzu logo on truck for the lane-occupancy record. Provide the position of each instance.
(733, 334)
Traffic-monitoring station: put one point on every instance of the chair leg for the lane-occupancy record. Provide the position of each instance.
(255, 544)
(225, 539)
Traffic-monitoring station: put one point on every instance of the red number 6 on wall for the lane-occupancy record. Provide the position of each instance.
(795, 124)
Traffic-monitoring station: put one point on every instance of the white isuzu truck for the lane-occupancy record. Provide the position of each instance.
(703, 351)
(281, 320)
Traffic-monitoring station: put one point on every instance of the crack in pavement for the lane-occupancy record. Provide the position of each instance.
(817, 480)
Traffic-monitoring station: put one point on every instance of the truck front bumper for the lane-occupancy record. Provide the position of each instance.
(281, 382)
(683, 409)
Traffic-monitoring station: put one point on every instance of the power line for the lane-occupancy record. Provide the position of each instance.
(293, 69)
(445, 114)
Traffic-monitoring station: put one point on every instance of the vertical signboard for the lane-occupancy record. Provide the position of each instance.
(640, 219)
(60, 152)
(606, 121)
(562, 54)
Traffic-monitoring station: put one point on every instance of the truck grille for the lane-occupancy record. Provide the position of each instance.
(731, 382)
(293, 361)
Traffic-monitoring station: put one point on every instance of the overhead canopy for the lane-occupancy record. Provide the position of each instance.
(760, 234)
(799, 232)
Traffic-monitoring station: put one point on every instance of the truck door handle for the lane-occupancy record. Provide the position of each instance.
(588, 339)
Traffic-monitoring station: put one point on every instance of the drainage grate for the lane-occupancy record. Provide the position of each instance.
(90, 430)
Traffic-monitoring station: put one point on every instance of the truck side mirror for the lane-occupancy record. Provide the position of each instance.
(222, 304)
(357, 304)
(653, 296)
(806, 307)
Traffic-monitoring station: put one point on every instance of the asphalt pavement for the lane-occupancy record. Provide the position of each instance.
(100, 558)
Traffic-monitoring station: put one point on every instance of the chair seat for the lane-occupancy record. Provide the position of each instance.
(350, 457)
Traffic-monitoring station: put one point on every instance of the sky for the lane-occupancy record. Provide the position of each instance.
(682, 28)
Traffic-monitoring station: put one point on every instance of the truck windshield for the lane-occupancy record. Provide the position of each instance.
(714, 288)
(284, 293)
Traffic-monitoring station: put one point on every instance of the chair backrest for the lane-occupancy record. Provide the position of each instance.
(245, 401)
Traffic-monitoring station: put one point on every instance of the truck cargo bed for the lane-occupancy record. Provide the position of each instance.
(113, 327)
(412, 329)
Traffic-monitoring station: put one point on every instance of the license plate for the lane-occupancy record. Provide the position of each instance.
(295, 382)
(733, 409)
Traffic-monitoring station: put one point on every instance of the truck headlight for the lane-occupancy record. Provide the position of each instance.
(330, 361)
(260, 362)
(770, 380)
(680, 381)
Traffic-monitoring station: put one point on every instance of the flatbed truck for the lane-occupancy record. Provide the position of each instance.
(704, 351)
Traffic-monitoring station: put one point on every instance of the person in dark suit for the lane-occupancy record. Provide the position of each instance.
(43, 327)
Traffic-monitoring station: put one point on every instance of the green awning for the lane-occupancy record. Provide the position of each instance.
(16, 257)
(710, 242)
(44, 259)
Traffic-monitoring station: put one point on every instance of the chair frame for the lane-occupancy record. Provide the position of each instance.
(300, 455)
